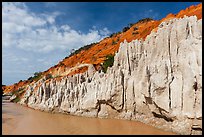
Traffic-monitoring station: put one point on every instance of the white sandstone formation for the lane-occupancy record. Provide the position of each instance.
(157, 81)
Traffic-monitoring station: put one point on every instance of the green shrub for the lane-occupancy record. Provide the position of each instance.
(36, 74)
(144, 20)
(20, 81)
(111, 35)
(36, 77)
(114, 34)
(30, 79)
(134, 33)
(135, 28)
(118, 39)
(126, 28)
(61, 64)
(119, 32)
(130, 24)
(114, 42)
(48, 76)
(108, 63)
(17, 99)
(18, 93)
(86, 47)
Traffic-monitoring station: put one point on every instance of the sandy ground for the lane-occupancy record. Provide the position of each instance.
(17, 119)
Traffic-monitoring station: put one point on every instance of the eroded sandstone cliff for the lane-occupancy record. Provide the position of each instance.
(157, 81)
(96, 53)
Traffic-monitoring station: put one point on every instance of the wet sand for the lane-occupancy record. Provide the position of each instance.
(17, 119)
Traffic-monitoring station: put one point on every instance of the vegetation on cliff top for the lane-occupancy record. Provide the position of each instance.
(130, 25)
(144, 20)
(36, 77)
(86, 47)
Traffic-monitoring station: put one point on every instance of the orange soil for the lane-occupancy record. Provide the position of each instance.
(79, 70)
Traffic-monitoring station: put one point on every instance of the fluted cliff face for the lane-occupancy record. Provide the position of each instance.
(157, 81)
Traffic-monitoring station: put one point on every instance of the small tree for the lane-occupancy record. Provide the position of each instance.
(135, 28)
(108, 63)
(134, 33)
(72, 51)
(130, 24)
(30, 78)
(126, 28)
(36, 77)
(144, 20)
(111, 35)
(48, 76)
(61, 64)
(36, 74)
(118, 39)
(114, 42)
(20, 81)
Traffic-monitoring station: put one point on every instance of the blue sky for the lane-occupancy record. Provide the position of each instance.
(37, 35)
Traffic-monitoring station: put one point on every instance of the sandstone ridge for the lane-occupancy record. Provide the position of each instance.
(157, 81)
